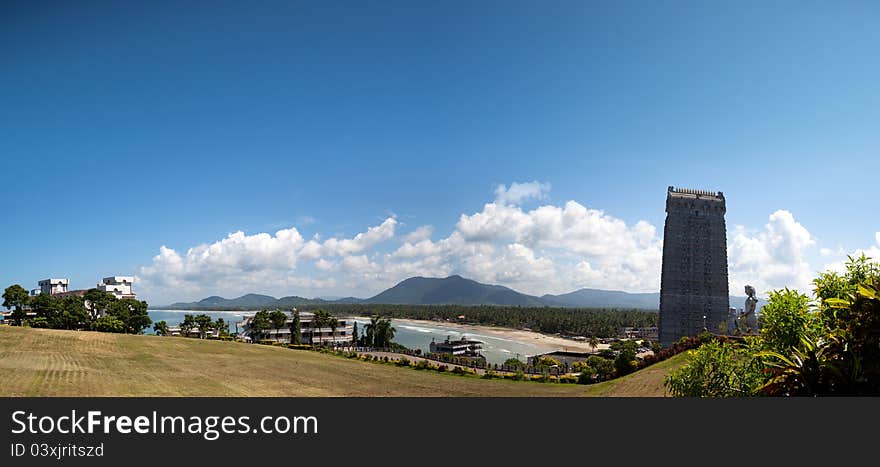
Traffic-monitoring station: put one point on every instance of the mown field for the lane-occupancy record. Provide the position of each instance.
(44, 362)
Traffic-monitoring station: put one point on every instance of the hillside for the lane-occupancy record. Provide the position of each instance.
(453, 290)
(44, 362)
(595, 298)
(252, 302)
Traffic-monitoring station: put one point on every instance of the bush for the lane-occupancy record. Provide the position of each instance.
(266, 342)
(568, 379)
(422, 365)
(298, 346)
(441, 368)
(403, 361)
(489, 374)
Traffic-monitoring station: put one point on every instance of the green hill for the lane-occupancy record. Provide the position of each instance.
(44, 362)
(452, 290)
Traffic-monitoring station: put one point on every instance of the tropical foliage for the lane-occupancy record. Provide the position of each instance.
(825, 345)
(96, 310)
(572, 321)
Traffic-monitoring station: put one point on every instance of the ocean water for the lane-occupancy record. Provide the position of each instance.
(412, 335)
(496, 349)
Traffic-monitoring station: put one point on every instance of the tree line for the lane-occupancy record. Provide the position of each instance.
(201, 322)
(602, 322)
(97, 310)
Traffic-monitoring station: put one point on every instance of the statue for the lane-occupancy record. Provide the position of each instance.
(748, 317)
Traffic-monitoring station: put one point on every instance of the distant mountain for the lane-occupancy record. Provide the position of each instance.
(595, 298)
(251, 302)
(452, 290)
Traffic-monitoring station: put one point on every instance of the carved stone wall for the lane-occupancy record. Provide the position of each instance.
(693, 282)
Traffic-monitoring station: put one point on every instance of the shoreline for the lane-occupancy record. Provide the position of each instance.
(547, 341)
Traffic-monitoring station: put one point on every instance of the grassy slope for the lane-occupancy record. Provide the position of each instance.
(43, 362)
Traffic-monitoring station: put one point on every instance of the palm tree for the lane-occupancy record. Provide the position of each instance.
(370, 331)
(594, 343)
(320, 319)
(333, 323)
(161, 328)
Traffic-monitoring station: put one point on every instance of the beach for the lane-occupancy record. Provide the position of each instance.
(537, 339)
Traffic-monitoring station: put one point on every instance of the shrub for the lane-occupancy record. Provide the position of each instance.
(489, 374)
(266, 342)
(568, 379)
(403, 361)
(441, 368)
(422, 365)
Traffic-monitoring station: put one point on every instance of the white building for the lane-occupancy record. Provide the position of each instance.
(120, 286)
(309, 334)
(53, 286)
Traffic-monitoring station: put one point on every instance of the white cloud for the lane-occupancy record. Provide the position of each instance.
(548, 249)
(773, 258)
(519, 192)
(422, 233)
(361, 241)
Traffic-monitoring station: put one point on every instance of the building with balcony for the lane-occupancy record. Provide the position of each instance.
(463, 347)
(52, 286)
(119, 286)
(309, 334)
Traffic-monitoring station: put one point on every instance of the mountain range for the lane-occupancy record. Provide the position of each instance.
(452, 290)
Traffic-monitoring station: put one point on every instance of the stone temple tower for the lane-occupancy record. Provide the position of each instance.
(693, 281)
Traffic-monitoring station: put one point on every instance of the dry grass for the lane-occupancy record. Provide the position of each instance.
(43, 362)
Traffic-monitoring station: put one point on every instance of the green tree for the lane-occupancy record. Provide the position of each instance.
(72, 314)
(278, 319)
(625, 360)
(161, 328)
(370, 331)
(354, 334)
(260, 324)
(15, 296)
(718, 369)
(222, 327)
(295, 329)
(132, 313)
(333, 323)
(320, 319)
(603, 366)
(45, 306)
(98, 302)
(787, 318)
(514, 363)
(384, 333)
(187, 325)
(205, 325)
(108, 323)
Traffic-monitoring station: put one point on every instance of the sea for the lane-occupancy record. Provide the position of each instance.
(496, 349)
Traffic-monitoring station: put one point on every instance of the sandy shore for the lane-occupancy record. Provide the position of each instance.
(545, 341)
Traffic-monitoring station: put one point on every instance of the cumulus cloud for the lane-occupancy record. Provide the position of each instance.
(240, 262)
(548, 249)
(519, 192)
(772, 258)
(422, 233)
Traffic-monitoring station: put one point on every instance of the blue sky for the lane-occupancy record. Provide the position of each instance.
(125, 128)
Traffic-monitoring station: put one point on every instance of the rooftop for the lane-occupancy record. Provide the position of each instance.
(689, 193)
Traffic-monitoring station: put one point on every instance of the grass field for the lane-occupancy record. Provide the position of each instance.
(43, 362)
